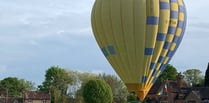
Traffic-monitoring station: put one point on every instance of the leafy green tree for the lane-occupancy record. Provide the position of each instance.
(97, 91)
(14, 86)
(193, 76)
(132, 98)
(79, 80)
(170, 73)
(57, 81)
(207, 77)
(118, 88)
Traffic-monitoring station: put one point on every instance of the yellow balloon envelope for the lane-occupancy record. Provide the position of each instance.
(138, 37)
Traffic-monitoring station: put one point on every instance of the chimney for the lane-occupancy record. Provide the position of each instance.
(179, 80)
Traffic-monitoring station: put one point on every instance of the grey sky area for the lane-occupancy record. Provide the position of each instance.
(37, 34)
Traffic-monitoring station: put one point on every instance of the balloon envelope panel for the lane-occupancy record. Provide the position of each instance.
(138, 37)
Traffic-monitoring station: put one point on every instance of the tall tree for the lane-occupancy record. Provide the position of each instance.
(170, 73)
(14, 86)
(57, 81)
(97, 91)
(193, 76)
(207, 77)
(118, 88)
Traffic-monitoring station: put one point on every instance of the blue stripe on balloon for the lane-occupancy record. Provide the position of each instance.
(173, 1)
(170, 53)
(181, 8)
(171, 30)
(111, 50)
(161, 37)
(152, 65)
(174, 14)
(160, 60)
(166, 45)
(180, 24)
(154, 72)
(176, 38)
(164, 5)
(148, 51)
(154, 80)
(144, 79)
(152, 20)
(104, 51)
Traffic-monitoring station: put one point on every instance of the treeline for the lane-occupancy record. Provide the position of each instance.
(66, 85)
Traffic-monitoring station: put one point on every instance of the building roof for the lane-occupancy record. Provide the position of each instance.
(37, 95)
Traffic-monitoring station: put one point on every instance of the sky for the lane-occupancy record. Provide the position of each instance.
(38, 34)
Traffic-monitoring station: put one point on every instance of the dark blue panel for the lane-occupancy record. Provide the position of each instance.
(144, 79)
(154, 72)
(181, 9)
(148, 51)
(166, 45)
(160, 60)
(174, 15)
(162, 67)
(104, 51)
(171, 30)
(180, 24)
(154, 80)
(161, 37)
(172, 1)
(152, 65)
(111, 50)
(170, 53)
(152, 20)
(176, 39)
(164, 5)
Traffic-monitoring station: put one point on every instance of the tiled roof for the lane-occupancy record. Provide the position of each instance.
(37, 95)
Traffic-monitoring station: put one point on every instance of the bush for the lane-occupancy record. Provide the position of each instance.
(97, 91)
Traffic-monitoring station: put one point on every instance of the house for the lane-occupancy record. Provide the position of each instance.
(36, 97)
(27, 97)
(177, 92)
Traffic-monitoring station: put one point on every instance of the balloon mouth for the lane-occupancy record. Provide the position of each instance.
(139, 89)
(141, 94)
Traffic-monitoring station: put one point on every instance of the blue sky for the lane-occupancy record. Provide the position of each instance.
(37, 34)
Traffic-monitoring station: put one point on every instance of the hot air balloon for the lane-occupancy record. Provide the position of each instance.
(138, 37)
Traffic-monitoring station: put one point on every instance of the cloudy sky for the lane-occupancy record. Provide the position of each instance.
(37, 34)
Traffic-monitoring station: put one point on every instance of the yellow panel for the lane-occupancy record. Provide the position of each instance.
(174, 6)
(173, 45)
(169, 37)
(178, 31)
(139, 32)
(181, 16)
(180, 2)
(165, 60)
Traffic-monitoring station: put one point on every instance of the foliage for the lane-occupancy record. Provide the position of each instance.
(97, 91)
(57, 81)
(207, 77)
(14, 86)
(79, 80)
(118, 88)
(170, 73)
(193, 76)
(132, 98)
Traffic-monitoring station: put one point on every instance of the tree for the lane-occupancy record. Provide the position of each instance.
(170, 73)
(57, 81)
(97, 91)
(193, 76)
(207, 77)
(118, 88)
(14, 86)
